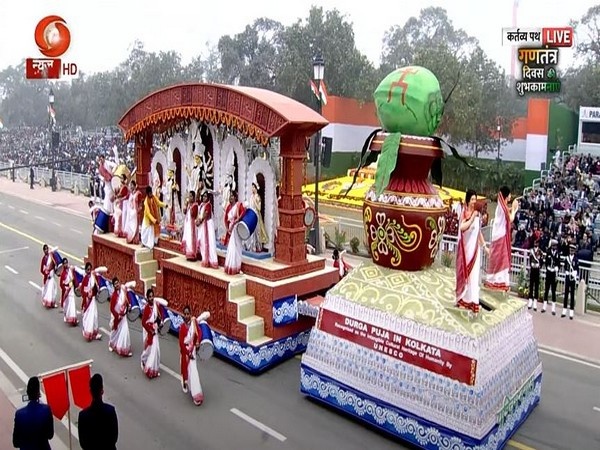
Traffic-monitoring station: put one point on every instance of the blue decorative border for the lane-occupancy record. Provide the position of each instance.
(285, 311)
(253, 255)
(306, 309)
(258, 359)
(404, 425)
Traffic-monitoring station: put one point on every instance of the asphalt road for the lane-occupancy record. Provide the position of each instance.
(156, 414)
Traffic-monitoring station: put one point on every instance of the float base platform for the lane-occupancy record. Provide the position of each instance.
(390, 348)
(254, 315)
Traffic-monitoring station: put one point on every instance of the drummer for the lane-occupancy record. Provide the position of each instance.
(189, 343)
(107, 169)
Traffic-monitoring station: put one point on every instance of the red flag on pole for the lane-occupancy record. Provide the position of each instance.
(57, 396)
(79, 381)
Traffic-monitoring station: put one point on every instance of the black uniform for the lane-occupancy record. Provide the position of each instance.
(571, 278)
(552, 264)
(535, 262)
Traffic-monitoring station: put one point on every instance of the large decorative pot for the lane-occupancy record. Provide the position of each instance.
(405, 224)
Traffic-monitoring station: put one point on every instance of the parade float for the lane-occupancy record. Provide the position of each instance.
(223, 139)
(389, 345)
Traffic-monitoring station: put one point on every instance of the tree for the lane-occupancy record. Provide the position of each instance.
(587, 33)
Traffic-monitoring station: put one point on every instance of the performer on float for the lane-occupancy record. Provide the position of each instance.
(207, 240)
(195, 173)
(189, 343)
(172, 212)
(120, 209)
(151, 321)
(535, 261)
(47, 268)
(89, 308)
(552, 264)
(259, 237)
(132, 227)
(68, 285)
(233, 214)
(120, 341)
(151, 223)
(468, 254)
(106, 169)
(571, 279)
(93, 210)
(499, 264)
(339, 263)
(189, 239)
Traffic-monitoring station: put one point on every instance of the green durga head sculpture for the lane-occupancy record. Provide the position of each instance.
(409, 101)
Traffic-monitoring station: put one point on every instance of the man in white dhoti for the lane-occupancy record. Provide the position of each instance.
(151, 321)
(89, 308)
(207, 239)
(106, 169)
(233, 214)
(151, 222)
(120, 341)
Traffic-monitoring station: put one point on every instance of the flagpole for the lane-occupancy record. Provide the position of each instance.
(69, 411)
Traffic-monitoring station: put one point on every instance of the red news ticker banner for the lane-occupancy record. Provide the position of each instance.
(411, 351)
(42, 68)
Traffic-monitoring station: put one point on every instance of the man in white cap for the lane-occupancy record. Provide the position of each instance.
(571, 279)
(552, 263)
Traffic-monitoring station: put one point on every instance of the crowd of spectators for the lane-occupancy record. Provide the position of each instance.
(565, 207)
(77, 150)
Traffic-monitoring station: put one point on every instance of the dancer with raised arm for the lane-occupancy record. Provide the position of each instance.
(207, 239)
(468, 255)
(89, 309)
(68, 284)
(189, 238)
(47, 269)
(120, 341)
(499, 264)
(189, 343)
(132, 225)
(107, 169)
(151, 322)
(233, 214)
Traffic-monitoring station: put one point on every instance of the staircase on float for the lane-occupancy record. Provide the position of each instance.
(246, 312)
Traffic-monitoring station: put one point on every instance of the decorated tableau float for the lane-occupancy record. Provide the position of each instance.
(390, 346)
(222, 143)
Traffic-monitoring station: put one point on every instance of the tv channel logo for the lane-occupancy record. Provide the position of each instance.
(53, 39)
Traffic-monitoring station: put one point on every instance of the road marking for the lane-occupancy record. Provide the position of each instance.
(24, 379)
(39, 218)
(10, 269)
(261, 426)
(76, 231)
(520, 446)
(568, 358)
(32, 284)
(22, 211)
(37, 241)
(57, 224)
(162, 366)
(11, 206)
(595, 408)
(2, 252)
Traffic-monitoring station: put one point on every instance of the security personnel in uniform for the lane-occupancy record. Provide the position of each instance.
(552, 264)
(535, 261)
(571, 278)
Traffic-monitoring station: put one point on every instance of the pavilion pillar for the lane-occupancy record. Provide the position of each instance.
(143, 159)
(290, 246)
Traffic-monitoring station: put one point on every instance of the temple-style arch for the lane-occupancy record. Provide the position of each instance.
(253, 112)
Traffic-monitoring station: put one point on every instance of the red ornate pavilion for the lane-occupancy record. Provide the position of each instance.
(244, 308)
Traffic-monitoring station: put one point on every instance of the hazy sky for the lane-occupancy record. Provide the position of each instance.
(102, 31)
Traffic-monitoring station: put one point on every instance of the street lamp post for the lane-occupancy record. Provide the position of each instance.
(499, 129)
(50, 133)
(318, 72)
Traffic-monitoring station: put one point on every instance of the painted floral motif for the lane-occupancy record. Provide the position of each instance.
(437, 233)
(390, 236)
(405, 200)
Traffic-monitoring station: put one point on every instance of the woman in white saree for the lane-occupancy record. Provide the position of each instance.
(151, 321)
(120, 341)
(67, 284)
(89, 308)
(189, 343)
(207, 239)
(47, 269)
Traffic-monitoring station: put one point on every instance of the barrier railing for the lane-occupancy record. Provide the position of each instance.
(77, 183)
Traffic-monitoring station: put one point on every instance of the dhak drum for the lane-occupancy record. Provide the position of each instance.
(246, 226)
(78, 280)
(134, 311)
(207, 347)
(103, 294)
(165, 323)
(57, 258)
(102, 221)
